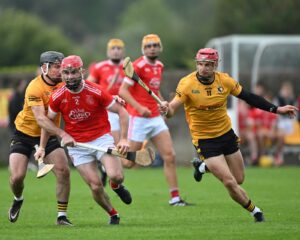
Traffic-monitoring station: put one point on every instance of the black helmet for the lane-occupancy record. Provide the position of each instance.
(51, 57)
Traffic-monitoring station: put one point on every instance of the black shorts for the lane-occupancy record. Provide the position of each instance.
(226, 144)
(24, 144)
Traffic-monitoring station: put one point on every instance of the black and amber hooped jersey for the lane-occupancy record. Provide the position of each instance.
(206, 105)
(37, 94)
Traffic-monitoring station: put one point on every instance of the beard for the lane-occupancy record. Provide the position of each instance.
(152, 58)
(56, 80)
(116, 60)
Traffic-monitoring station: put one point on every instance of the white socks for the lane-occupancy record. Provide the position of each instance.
(255, 210)
(202, 167)
(19, 199)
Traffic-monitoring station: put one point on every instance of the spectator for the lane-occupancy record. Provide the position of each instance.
(286, 96)
(246, 132)
(15, 104)
(267, 133)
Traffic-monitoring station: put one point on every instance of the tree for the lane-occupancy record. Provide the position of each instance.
(257, 17)
(24, 37)
(145, 17)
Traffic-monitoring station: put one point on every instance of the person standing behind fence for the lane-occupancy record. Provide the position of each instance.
(286, 96)
(204, 95)
(15, 104)
(145, 120)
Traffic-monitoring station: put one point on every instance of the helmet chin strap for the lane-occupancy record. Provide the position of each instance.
(55, 80)
(46, 71)
(205, 80)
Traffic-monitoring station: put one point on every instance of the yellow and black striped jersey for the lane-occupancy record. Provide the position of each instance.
(37, 94)
(206, 105)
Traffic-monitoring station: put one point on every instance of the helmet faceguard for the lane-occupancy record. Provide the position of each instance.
(207, 62)
(71, 69)
(50, 57)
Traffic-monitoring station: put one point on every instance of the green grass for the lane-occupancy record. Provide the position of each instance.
(215, 215)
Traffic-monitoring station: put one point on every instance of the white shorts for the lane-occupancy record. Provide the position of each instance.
(113, 119)
(286, 125)
(141, 128)
(83, 155)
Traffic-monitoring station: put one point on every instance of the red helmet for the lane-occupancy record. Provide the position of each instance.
(71, 61)
(207, 55)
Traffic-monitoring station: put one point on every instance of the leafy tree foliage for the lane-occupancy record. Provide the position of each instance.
(184, 26)
(24, 37)
(257, 17)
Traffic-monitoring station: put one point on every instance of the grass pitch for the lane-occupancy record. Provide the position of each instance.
(215, 215)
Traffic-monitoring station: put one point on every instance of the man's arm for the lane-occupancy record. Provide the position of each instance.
(261, 103)
(44, 122)
(170, 108)
(123, 145)
(40, 152)
(47, 123)
(125, 94)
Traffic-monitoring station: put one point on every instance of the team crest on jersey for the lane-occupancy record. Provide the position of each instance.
(90, 100)
(220, 89)
(195, 91)
(147, 70)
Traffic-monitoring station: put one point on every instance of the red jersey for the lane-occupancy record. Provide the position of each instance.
(243, 115)
(85, 112)
(105, 73)
(151, 74)
(262, 119)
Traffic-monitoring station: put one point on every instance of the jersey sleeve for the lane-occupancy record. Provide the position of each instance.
(235, 87)
(54, 104)
(33, 96)
(180, 91)
(94, 71)
(106, 99)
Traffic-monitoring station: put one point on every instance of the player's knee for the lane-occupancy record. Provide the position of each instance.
(17, 179)
(63, 172)
(117, 177)
(127, 164)
(240, 179)
(96, 186)
(230, 183)
(169, 157)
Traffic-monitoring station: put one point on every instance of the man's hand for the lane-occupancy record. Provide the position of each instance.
(40, 153)
(119, 100)
(164, 108)
(67, 140)
(144, 111)
(289, 110)
(123, 146)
